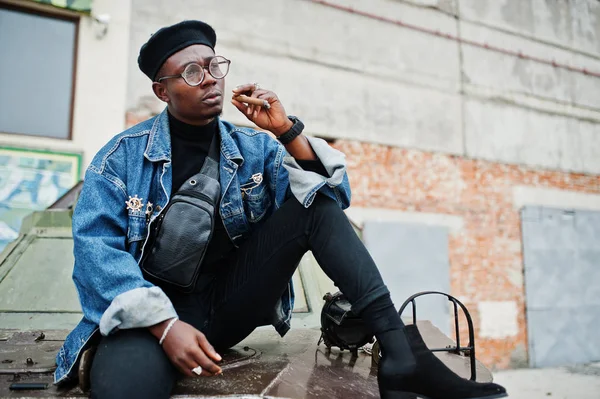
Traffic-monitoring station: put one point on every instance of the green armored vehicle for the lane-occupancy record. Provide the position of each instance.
(39, 305)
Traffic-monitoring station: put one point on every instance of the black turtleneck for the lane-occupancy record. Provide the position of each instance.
(189, 147)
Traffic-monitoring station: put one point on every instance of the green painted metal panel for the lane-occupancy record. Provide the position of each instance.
(41, 280)
(75, 5)
(39, 321)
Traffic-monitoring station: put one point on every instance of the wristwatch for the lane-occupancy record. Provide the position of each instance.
(294, 131)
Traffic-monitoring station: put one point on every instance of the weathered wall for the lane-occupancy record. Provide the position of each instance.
(346, 75)
(479, 201)
(355, 77)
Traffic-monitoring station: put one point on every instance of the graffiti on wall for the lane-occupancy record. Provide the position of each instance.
(30, 181)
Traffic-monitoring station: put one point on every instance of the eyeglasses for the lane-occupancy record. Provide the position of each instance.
(193, 74)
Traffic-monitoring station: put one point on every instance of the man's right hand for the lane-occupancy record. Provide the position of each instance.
(188, 348)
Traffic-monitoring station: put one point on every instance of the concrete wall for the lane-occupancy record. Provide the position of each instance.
(523, 112)
(353, 77)
(100, 87)
(336, 70)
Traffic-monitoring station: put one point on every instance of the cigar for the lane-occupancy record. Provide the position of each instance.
(251, 100)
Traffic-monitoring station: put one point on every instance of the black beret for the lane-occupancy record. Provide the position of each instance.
(171, 39)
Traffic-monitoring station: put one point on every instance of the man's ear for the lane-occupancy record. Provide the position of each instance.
(160, 90)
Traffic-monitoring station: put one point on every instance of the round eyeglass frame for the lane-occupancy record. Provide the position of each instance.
(219, 59)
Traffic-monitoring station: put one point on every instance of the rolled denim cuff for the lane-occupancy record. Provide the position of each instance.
(137, 308)
(305, 184)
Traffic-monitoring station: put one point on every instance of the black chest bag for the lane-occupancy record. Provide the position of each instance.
(180, 235)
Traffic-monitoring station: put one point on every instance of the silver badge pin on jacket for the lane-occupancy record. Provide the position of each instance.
(254, 182)
(134, 203)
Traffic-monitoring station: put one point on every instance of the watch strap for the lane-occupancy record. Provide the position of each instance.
(294, 131)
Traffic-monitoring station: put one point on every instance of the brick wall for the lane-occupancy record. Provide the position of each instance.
(485, 256)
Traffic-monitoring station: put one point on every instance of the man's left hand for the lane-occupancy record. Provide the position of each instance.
(273, 119)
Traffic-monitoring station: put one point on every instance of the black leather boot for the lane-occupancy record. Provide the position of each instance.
(428, 378)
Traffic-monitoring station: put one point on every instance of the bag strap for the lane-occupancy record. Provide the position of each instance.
(210, 167)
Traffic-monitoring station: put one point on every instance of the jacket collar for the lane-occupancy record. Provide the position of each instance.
(229, 148)
(159, 142)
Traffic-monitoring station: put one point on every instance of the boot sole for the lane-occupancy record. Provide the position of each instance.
(410, 395)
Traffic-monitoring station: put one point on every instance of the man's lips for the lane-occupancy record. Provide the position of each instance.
(212, 95)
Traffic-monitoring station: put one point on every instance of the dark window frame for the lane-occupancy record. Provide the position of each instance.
(51, 12)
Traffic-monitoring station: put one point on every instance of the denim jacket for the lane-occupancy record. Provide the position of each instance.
(127, 185)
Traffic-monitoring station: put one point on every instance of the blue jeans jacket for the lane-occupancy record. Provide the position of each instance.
(127, 185)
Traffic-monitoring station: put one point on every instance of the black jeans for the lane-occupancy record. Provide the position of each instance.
(242, 296)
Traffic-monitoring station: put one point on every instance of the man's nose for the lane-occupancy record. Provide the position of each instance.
(209, 80)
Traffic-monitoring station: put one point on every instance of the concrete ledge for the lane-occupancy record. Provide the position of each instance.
(359, 215)
(554, 198)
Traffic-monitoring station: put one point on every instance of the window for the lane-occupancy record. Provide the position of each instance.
(37, 72)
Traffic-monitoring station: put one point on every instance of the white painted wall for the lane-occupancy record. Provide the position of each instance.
(520, 111)
(100, 88)
(352, 77)
(573, 24)
(498, 319)
(336, 70)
